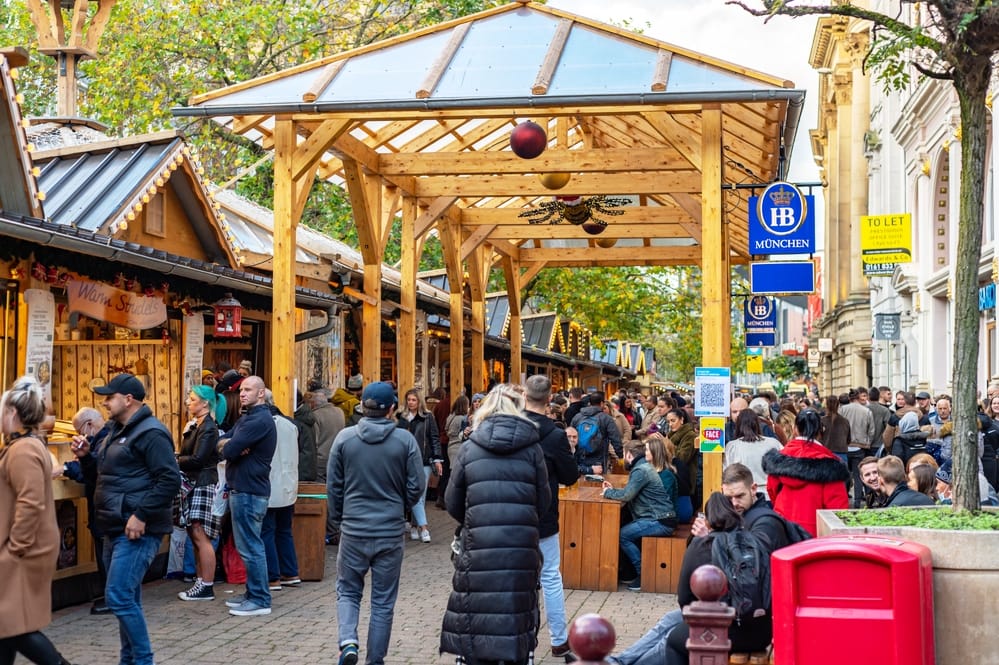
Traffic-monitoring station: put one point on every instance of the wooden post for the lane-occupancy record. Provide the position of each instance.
(406, 334)
(511, 271)
(286, 215)
(708, 618)
(716, 303)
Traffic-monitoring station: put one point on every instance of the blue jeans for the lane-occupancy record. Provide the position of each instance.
(248, 511)
(355, 556)
(551, 584)
(420, 509)
(279, 543)
(631, 539)
(650, 649)
(127, 562)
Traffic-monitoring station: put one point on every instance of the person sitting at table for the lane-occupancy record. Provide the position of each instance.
(651, 509)
(659, 453)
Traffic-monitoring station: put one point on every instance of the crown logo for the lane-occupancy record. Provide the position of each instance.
(781, 197)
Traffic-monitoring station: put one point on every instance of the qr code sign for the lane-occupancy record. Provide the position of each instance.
(712, 395)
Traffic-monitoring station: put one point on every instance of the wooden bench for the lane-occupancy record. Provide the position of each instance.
(661, 559)
(755, 658)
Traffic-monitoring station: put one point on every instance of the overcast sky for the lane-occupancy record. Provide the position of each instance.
(779, 48)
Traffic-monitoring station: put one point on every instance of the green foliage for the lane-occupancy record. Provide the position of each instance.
(660, 307)
(784, 368)
(924, 518)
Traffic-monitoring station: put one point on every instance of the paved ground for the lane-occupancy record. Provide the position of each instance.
(301, 629)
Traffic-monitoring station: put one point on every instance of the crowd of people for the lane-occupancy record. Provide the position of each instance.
(494, 462)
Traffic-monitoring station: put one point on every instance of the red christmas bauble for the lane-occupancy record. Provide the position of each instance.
(593, 228)
(592, 637)
(528, 140)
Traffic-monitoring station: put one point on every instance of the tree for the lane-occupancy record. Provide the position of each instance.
(660, 306)
(957, 42)
(157, 54)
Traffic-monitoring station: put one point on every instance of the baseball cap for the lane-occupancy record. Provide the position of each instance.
(478, 397)
(922, 395)
(123, 384)
(944, 472)
(379, 396)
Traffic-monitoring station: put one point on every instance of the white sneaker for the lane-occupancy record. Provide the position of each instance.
(425, 535)
(414, 534)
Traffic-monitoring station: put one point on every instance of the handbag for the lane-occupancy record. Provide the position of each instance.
(220, 502)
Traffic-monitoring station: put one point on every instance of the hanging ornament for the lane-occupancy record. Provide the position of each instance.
(528, 140)
(228, 317)
(555, 180)
(38, 271)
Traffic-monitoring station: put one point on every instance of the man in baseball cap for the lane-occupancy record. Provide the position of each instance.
(136, 472)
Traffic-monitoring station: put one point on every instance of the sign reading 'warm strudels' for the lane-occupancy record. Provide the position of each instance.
(122, 308)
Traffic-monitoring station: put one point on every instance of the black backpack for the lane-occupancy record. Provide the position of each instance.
(746, 564)
(794, 532)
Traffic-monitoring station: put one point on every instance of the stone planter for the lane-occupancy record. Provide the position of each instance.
(965, 586)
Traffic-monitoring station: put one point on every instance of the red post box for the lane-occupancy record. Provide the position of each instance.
(853, 599)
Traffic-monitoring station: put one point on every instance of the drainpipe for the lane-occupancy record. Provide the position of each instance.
(331, 311)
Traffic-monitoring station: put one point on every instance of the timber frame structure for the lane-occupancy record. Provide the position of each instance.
(417, 127)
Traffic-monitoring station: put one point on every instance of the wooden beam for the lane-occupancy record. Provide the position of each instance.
(580, 185)
(478, 276)
(715, 265)
(310, 150)
(653, 215)
(600, 160)
(550, 61)
(365, 218)
(450, 238)
(286, 216)
(406, 332)
(514, 282)
(692, 206)
(244, 123)
(686, 141)
(615, 229)
(476, 238)
(98, 24)
(661, 76)
(429, 217)
(622, 256)
(512, 112)
(442, 61)
(506, 249)
(371, 324)
(323, 81)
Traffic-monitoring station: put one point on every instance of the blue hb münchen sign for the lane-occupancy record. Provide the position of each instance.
(781, 221)
(760, 321)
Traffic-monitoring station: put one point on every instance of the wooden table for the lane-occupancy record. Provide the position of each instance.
(589, 527)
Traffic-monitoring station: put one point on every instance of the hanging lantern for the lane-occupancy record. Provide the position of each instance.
(228, 317)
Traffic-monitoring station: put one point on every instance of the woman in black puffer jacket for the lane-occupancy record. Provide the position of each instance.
(498, 490)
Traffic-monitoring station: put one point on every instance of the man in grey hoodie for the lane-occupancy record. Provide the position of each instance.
(374, 474)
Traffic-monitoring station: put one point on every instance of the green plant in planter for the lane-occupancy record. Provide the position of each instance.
(926, 518)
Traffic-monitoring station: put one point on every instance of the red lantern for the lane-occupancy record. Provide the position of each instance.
(228, 317)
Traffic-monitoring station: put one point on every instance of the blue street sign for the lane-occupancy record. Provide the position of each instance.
(775, 277)
(781, 221)
(760, 321)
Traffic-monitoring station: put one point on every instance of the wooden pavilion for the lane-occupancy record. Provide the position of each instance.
(418, 127)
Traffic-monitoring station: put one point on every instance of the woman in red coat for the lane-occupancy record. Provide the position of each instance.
(805, 476)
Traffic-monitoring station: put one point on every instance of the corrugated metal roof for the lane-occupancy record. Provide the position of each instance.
(94, 186)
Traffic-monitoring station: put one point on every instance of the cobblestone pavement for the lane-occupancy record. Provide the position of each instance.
(302, 627)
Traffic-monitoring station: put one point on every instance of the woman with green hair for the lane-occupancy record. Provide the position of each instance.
(198, 459)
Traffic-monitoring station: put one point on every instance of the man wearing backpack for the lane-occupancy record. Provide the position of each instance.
(758, 518)
(596, 431)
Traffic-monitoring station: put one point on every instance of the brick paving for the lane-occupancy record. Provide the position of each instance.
(302, 627)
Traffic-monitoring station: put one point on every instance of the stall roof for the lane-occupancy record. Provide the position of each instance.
(431, 112)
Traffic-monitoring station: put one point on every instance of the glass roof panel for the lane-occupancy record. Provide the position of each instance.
(394, 72)
(286, 89)
(500, 56)
(686, 75)
(595, 62)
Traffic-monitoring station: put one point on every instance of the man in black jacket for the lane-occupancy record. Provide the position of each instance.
(136, 478)
(591, 451)
(561, 469)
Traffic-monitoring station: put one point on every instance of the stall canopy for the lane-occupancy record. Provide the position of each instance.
(650, 139)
